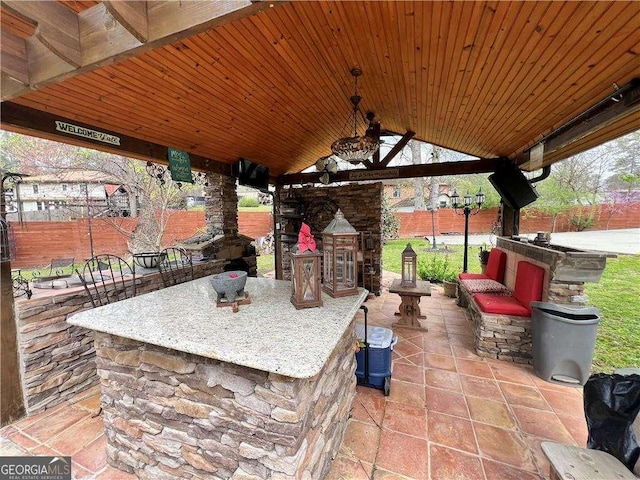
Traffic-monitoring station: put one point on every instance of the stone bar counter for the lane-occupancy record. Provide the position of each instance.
(190, 390)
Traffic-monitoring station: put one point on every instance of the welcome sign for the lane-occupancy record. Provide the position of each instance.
(87, 133)
(180, 165)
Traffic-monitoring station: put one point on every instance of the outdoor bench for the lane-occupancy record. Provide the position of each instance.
(502, 320)
(489, 282)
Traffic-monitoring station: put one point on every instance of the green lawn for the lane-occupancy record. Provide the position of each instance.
(617, 296)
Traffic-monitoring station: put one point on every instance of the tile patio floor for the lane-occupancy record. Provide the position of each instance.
(451, 414)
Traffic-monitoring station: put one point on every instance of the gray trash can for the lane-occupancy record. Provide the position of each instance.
(564, 338)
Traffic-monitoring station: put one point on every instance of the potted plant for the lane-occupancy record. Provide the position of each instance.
(483, 255)
(450, 284)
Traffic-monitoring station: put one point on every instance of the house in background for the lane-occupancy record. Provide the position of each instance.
(401, 195)
(65, 196)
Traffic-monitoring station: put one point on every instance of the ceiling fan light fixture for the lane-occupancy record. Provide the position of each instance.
(355, 149)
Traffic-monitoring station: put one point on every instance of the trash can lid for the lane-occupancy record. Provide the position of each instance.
(378, 337)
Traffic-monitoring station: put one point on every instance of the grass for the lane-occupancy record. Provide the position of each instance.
(617, 296)
(259, 208)
(392, 254)
(265, 264)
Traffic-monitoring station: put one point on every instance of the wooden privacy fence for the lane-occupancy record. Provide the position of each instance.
(36, 243)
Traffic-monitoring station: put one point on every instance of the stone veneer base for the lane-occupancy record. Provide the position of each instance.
(170, 414)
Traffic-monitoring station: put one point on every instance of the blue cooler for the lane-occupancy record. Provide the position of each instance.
(381, 343)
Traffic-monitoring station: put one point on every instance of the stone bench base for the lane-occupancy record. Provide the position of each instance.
(503, 337)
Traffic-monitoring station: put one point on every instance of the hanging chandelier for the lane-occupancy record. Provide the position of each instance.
(355, 149)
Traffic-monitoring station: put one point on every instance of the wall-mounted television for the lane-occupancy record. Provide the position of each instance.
(514, 188)
(252, 174)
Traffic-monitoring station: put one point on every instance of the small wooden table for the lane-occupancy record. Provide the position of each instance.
(410, 303)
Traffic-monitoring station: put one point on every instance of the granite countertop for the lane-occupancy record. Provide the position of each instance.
(269, 334)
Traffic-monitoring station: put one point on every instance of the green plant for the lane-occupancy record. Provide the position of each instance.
(483, 254)
(248, 202)
(582, 222)
(390, 222)
(437, 268)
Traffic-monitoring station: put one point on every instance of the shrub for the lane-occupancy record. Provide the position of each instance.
(248, 202)
(582, 223)
(437, 268)
(390, 222)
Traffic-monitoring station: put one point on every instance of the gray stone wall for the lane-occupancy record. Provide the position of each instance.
(57, 360)
(221, 205)
(362, 207)
(171, 415)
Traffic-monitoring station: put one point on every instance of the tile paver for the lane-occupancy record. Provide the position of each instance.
(451, 414)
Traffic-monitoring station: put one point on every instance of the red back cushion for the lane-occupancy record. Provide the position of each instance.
(496, 265)
(529, 283)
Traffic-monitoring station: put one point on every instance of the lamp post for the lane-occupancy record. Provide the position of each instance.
(466, 209)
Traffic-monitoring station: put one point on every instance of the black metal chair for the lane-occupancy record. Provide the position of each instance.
(107, 279)
(175, 266)
(55, 268)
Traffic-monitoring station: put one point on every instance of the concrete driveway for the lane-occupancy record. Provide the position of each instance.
(625, 241)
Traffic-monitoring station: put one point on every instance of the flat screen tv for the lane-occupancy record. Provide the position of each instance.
(514, 188)
(252, 174)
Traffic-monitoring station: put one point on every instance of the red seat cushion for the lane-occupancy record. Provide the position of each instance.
(496, 265)
(529, 284)
(500, 305)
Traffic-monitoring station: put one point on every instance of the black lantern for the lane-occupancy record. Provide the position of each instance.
(409, 270)
(340, 249)
(306, 285)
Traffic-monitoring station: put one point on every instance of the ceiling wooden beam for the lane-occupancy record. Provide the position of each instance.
(397, 148)
(623, 103)
(132, 15)
(28, 121)
(13, 57)
(483, 165)
(114, 31)
(57, 27)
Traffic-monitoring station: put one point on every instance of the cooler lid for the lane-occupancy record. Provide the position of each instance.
(378, 337)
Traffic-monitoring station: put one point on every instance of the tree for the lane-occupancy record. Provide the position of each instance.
(390, 223)
(626, 163)
(554, 199)
(418, 182)
(151, 200)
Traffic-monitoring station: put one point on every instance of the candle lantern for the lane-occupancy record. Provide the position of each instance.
(409, 260)
(306, 286)
(340, 249)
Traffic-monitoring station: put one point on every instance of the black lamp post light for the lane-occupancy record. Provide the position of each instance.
(467, 208)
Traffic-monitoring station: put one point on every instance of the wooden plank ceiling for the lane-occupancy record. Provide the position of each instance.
(271, 82)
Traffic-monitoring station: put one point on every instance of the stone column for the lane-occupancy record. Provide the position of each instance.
(221, 205)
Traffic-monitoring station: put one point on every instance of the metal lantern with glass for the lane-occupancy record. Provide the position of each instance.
(306, 284)
(467, 209)
(340, 249)
(409, 270)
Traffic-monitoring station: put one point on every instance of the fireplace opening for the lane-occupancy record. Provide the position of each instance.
(237, 264)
